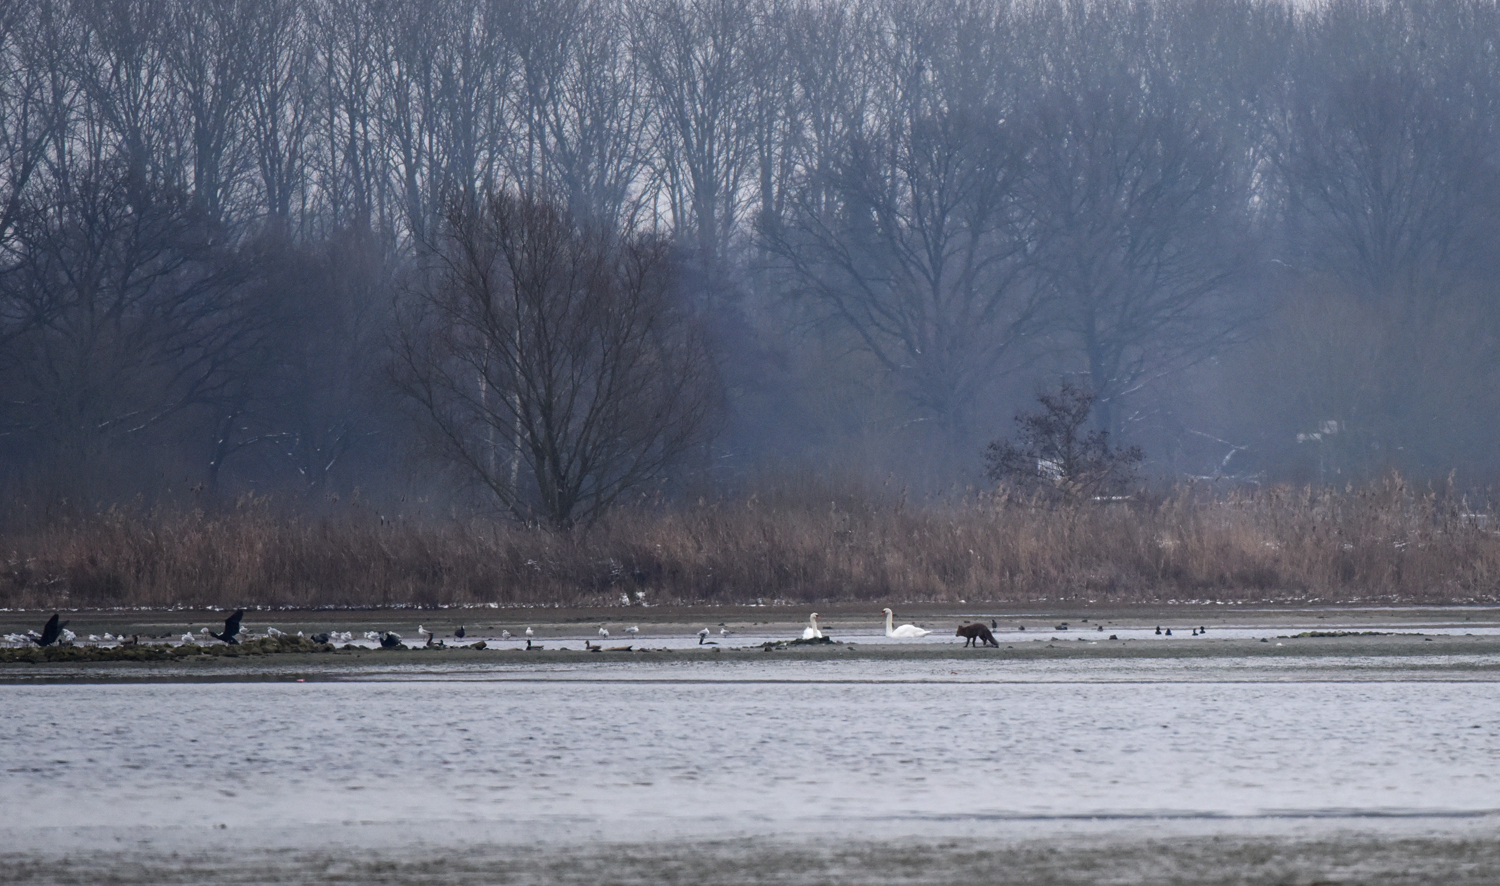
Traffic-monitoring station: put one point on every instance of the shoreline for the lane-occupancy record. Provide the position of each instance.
(1469, 638)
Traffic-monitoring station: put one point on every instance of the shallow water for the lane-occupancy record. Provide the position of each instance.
(821, 749)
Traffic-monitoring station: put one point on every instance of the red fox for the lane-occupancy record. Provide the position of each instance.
(976, 633)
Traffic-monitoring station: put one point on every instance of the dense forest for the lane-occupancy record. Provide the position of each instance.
(242, 243)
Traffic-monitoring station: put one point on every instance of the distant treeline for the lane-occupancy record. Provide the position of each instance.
(1384, 543)
(1265, 235)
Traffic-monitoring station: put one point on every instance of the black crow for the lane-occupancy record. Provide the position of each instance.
(52, 631)
(231, 629)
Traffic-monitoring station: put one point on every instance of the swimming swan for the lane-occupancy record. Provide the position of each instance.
(903, 632)
(812, 631)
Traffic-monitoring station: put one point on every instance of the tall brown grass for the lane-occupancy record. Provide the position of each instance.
(1382, 543)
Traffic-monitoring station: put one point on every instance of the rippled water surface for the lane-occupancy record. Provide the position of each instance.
(627, 750)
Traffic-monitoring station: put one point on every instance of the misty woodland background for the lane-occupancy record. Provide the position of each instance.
(347, 301)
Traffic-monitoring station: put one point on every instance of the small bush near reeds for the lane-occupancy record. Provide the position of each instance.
(1381, 543)
(1053, 457)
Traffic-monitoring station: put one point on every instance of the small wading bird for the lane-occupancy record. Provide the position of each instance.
(231, 629)
(905, 632)
(51, 631)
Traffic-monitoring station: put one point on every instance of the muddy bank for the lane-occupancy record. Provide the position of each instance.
(1218, 860)
(838, 620)
(566, 636)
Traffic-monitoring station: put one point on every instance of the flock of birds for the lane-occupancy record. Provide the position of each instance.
(56, 632)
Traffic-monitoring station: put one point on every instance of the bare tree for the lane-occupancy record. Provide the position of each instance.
(905, 232)
(700, 57)
(209, 61)
(1138, 238)
(279, 104)
(592, 114)
(563, 336)
(304, 390)
(349, 171)
(1391, 187)
(134, 316)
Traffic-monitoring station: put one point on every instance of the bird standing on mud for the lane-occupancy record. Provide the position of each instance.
(231, 629)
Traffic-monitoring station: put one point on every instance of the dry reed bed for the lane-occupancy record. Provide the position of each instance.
(1381, 543)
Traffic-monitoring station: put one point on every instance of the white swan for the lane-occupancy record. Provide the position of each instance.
(903, 632)
(812, 631)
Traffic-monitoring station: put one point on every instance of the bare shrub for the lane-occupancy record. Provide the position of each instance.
(1055, 458)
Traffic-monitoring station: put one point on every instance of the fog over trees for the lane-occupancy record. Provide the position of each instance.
(241, 242)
